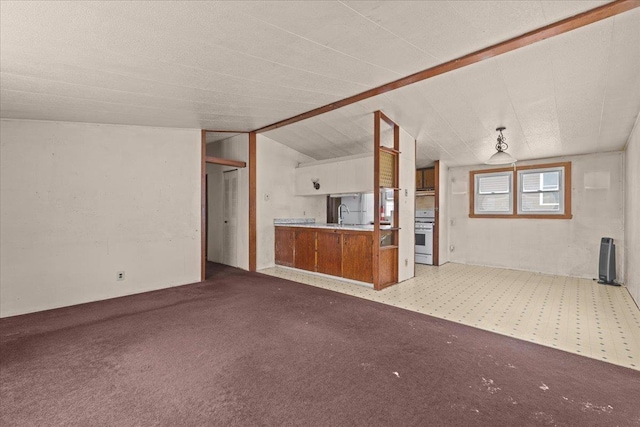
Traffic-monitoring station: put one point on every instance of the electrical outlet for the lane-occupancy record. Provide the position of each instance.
(120, 276)
(406, 192)
(267, 196)
(406, 262)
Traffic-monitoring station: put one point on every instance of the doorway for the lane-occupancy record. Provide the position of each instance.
(228, 200)
(230, 218)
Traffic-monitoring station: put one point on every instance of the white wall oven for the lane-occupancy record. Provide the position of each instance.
(425, 220)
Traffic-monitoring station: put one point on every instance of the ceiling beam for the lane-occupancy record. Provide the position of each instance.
(589, 17)
(225, 162)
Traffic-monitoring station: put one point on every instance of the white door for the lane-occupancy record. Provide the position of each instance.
(230, 217)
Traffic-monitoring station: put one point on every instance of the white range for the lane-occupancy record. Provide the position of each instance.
(425, 220)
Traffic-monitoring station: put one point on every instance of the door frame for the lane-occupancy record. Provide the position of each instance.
(204, 159)
(436, 226)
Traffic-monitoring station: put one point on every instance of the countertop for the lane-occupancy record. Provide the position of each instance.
(354, 227)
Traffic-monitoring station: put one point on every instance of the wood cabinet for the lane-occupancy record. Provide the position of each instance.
(329, 252)
(388, 266)
(357, 257)
(337, 252)
(430, 178)
(419, 179)
(284, 245)
(425, 179)
(305, 249)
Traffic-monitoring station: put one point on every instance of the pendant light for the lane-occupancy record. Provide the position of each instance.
(501, 157)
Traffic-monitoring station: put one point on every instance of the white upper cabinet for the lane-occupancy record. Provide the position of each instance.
(353, 174)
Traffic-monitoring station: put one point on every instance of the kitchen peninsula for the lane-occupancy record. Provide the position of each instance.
(339, 250)
(379, 250)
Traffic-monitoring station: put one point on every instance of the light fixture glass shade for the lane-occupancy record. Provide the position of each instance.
(500, 158)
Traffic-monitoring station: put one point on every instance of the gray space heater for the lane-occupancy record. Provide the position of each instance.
(607, 265)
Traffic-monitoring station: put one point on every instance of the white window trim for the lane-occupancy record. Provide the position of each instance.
(476, 193)
(560, 191)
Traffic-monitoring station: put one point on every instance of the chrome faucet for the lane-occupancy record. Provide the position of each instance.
(340, 219)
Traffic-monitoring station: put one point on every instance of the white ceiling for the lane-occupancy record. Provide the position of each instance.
(219, 136)
(243, 65)
(572, 94)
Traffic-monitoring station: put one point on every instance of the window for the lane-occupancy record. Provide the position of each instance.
(493, 193)
(538, 191)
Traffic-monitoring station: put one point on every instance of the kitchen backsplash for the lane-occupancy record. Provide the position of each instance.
(294, 220)
(425, 202)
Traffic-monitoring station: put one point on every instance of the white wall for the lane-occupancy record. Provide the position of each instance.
(275, 189)
(80, 202)
(406, 252)
(563, 247)
(443, 214)
(234, 148)
(351, 174)
(632, 214)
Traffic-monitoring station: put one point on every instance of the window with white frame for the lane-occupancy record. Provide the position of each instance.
(540, 191)
(493, 193)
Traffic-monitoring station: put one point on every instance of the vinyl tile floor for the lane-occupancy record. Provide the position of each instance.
(571, 314)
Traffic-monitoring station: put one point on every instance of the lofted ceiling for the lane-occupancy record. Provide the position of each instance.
(572, 94)
(240, 66)
(219, 136)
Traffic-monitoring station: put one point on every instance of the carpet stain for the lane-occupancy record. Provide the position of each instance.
(490, 385)
(588, 406)
(545, 418)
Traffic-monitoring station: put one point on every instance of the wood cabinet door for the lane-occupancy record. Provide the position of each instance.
(388, 267)
(305, 250)
(357, 257)
(284, 243)
(430, 178)
(329, 253)
(419, 179)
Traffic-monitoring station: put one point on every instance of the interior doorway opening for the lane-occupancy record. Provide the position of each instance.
(226, 201)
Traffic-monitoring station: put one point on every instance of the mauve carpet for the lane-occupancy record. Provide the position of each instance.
(248, 349)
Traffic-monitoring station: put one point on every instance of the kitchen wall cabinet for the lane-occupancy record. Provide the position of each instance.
(337, 252)
(429, 178)
(284, 246)
(425, 179)
(357, 256)
(353, 174)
